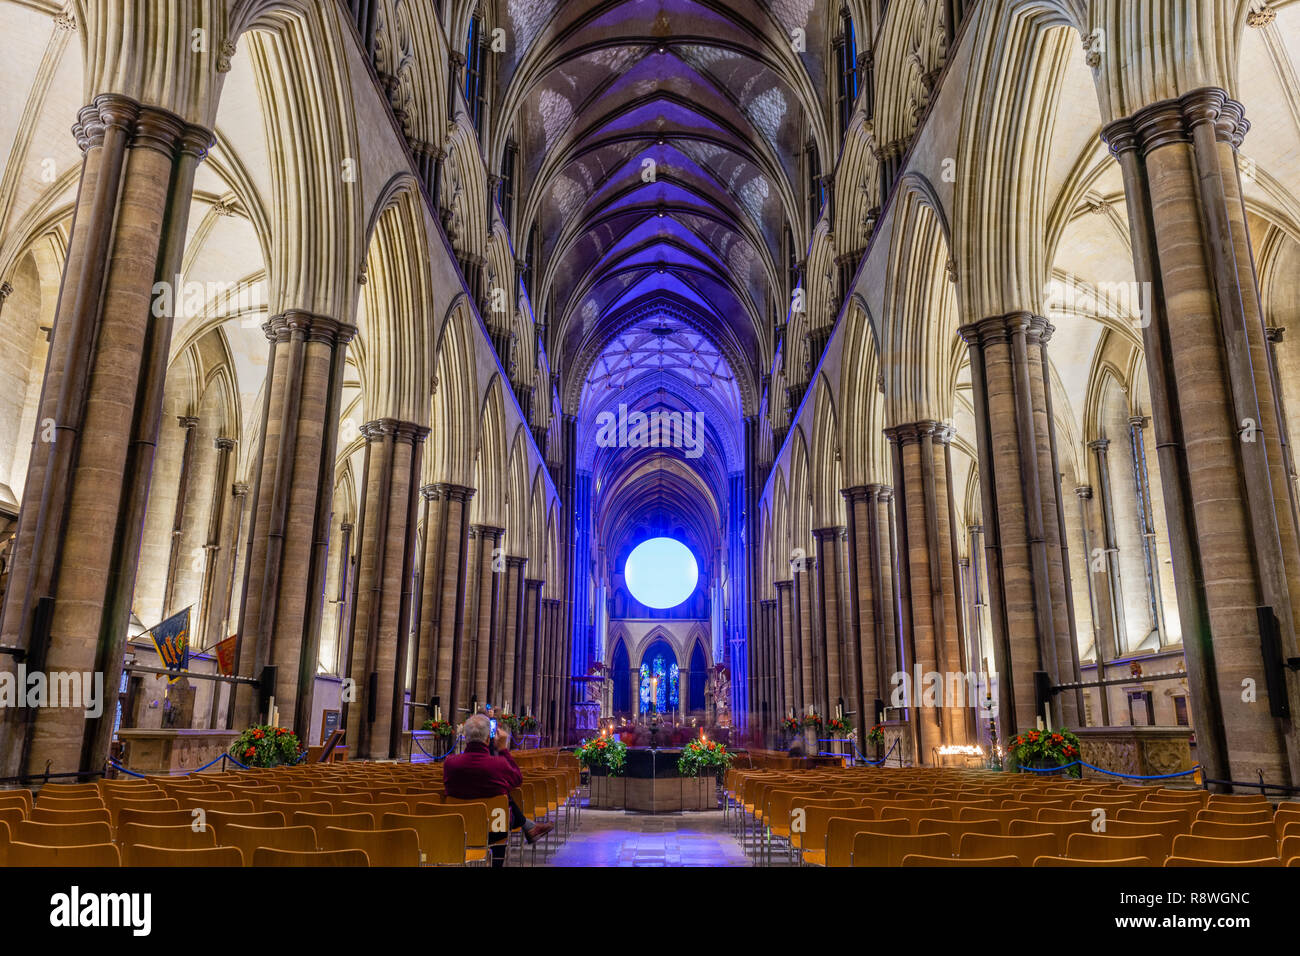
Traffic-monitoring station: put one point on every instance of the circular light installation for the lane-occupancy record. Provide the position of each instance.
(661, 573)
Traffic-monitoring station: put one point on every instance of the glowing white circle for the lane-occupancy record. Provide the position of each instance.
(661, 573)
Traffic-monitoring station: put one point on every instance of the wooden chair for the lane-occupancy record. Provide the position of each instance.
(70, 790)
(842, 831)
(1183, 816)
(956, 829)
(69, 803)
(882, 849)
(267, 856)
(1289, 849)
(61, 834)
(289, 808)
(811, 843)
(915, 816)
(1234, 816)
(1097, 846)
(1025, 848)
(1054, 815)
(1003, 815)
(169, 838)
(1188, 862)
(382, 847)
(1224, 849)
(116, 808)
(1062, 831)
(92, 855)
(914, 859)
(441, 838)
(1238, 801)
(156, 818)
(211, 856)
(496, 826)
(41, 815)
(218, 820)
(1212, 829)
(319, 821)
(1063, 861)
(21, 799)
(249, 839)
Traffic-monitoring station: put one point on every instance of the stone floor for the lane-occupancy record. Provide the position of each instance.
(616, 838)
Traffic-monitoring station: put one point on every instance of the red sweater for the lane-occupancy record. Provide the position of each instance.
(476, 773)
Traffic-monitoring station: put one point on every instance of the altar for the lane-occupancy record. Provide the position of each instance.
(651, 784)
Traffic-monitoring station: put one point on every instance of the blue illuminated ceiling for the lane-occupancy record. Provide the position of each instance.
(661, 149)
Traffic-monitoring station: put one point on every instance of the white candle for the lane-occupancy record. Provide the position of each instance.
(1040, 723)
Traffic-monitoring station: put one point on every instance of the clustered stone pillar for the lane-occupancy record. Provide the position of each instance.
(292, 500)
(837, 673)
(790, 686)
(490, 569)
(77, 547)
(931, 629)
(874, 640)
(1217, 427)
(807, 651)
(441, 635)
(377, 647)
(769, 691)
(1030, 601)
(506, 644)
(530, 689)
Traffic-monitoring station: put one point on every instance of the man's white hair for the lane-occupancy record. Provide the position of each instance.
(477, 729)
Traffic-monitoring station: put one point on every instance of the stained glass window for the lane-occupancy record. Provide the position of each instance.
(667, 693)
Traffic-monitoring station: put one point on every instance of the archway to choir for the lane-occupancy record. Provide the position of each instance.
(745, 406)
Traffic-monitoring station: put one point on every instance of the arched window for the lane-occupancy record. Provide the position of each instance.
(620, 665)
(847, 48)
(660, 662)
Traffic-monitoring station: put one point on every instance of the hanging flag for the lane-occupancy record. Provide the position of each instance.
(225, 652)
(172, 639)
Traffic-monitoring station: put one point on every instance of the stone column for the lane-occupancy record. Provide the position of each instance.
(443, 597)
(807, 653)
(211, 600)
(1030, 601)
(871, 596)
(837, 672)
(190, 425)
(1217, 425)
(77, 546)
(532, 644)
(931, 639)
(785, 652)
(293, 494)
(377, 650)
(483, 681)
(506, 644)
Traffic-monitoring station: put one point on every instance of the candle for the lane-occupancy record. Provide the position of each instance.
(1040, 723)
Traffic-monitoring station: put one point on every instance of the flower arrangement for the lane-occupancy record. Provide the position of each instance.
(703, 758)
(510, 722)
(791, 725)
(814, 721)
(528, 723)
(265, 746)
(839, 728)
(876, 734)
(607, 752)
(1046, 748)
(440, 727)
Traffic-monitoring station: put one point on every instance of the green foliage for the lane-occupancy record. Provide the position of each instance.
(1045, 748)
(265, 746)
(876, 735)
(440, 727)
(838, 728)
(703, 758)
(607, 752)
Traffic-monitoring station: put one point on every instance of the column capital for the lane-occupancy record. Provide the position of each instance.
(187, 421)
(1001, 328)
(379, 429)
(534, 584)
(314, 328)
(1084, 492)
(347, 526)
(487, 531)
(1274, 334)
(1100, 444)
(239, 489)
(916, 432)
(782, 585)
(224, 444)
(514, 561)
(829, 533)
(1138, 421)
(1175, 120)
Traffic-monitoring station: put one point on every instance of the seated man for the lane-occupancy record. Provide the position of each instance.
(479, 773)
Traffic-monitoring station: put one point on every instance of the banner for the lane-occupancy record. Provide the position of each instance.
(172, 639)
(225, 652)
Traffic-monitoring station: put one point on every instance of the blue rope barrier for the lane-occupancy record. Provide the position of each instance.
(181, 773)
(432, 757)
(1110, 773)
(881, 761)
